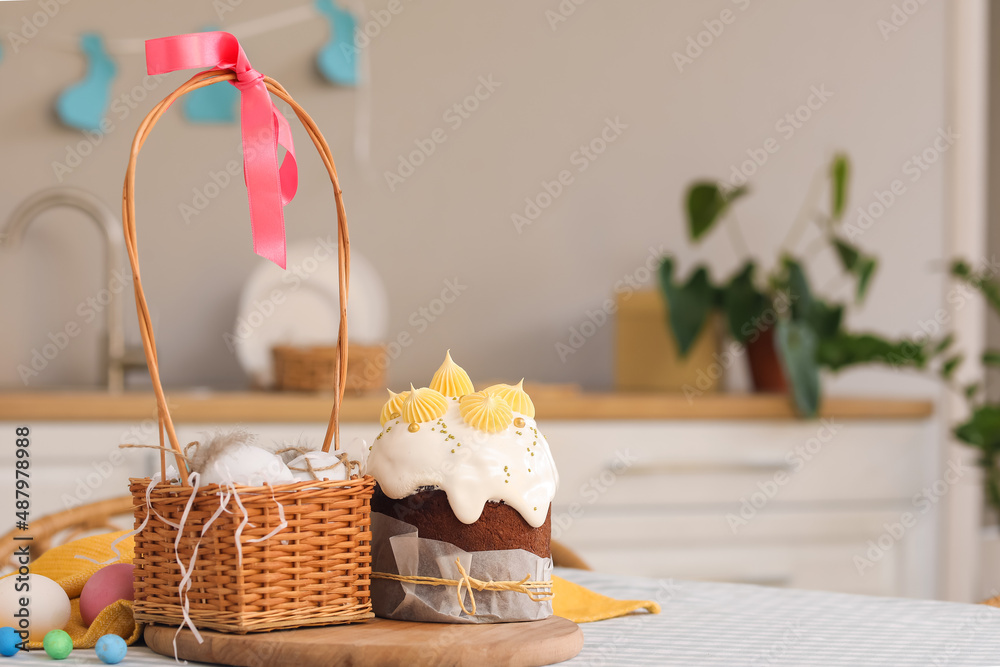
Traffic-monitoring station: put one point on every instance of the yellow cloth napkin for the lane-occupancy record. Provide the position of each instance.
(62, 566)
(582, 605)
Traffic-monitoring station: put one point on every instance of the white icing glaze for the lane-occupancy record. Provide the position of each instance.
(472, 467)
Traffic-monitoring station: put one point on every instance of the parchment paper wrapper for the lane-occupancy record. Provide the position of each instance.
(397, 549)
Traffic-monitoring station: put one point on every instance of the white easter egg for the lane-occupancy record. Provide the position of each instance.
(247, 464)
(318, 459)
(46, 602)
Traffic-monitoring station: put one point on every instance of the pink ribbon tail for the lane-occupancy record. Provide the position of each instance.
(269, 187)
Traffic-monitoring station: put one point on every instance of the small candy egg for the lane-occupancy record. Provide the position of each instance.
(107, 585)
(247, 464)
(47, 603)
(111, 649)
(9, 639)
(58, 644)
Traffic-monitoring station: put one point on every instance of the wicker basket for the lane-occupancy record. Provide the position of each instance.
(315, 368)
(315, 571)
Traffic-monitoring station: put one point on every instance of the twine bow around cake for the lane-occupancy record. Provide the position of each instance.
(263, 128)
(537, 591)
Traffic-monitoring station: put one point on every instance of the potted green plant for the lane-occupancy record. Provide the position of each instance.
(788, 331)
(981, 428)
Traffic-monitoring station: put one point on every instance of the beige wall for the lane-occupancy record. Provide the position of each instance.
(452, 217)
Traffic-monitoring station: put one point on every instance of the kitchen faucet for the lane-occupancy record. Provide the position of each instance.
(117, 356)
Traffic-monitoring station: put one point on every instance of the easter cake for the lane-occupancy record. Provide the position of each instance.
(467, 476)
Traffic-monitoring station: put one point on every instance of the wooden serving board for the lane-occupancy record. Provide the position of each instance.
(381, 643)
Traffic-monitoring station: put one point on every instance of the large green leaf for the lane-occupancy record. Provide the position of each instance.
(797, 344)
(861, 266)
(950, 365)
(982, 431)
(982, 428)
(744, 304)
(840, 171)
(847, 349)
(824, 318)
(706, 203)
(688, 304)
(798, 289)
(984, 281)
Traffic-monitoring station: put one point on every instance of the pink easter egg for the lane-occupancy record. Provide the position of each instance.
(107, 585)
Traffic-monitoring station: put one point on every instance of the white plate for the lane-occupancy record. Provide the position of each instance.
(300, 306)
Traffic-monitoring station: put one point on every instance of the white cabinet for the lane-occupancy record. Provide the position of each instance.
(849, 506)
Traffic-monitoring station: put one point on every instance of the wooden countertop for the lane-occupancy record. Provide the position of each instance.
(250, 407)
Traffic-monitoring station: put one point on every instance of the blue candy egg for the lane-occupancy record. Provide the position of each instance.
(9, 639)
(111, 649)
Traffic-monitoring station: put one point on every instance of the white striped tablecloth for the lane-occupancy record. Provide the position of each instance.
(730, 625)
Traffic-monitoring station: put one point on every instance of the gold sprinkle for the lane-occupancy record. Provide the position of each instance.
(518, 432)
(394, 415)
(450, 437)
(519, 423)
(453, 451)
(432, 428)
(534, 443)
(414, 427)
(459, 444)
(388, 428)
(505, 468)
(532, 453)
(506, 481)
(536, 509)
(527, 449)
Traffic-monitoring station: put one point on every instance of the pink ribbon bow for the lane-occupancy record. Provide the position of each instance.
(263, 127)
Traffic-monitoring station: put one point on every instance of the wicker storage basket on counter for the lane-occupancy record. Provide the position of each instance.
(316, 368)
(212, 569)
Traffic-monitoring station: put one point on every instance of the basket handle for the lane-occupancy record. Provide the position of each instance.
(128, 222)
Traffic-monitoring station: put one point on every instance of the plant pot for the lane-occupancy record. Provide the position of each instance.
(765, 367)
(646, 354)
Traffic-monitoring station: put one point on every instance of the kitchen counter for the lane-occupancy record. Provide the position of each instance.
(551, 404)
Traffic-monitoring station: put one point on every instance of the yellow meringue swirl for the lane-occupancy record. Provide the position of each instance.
(451, 379)
(496, 388)
(485, 412)
(516, 397)
(424, 405)
(394, 406)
